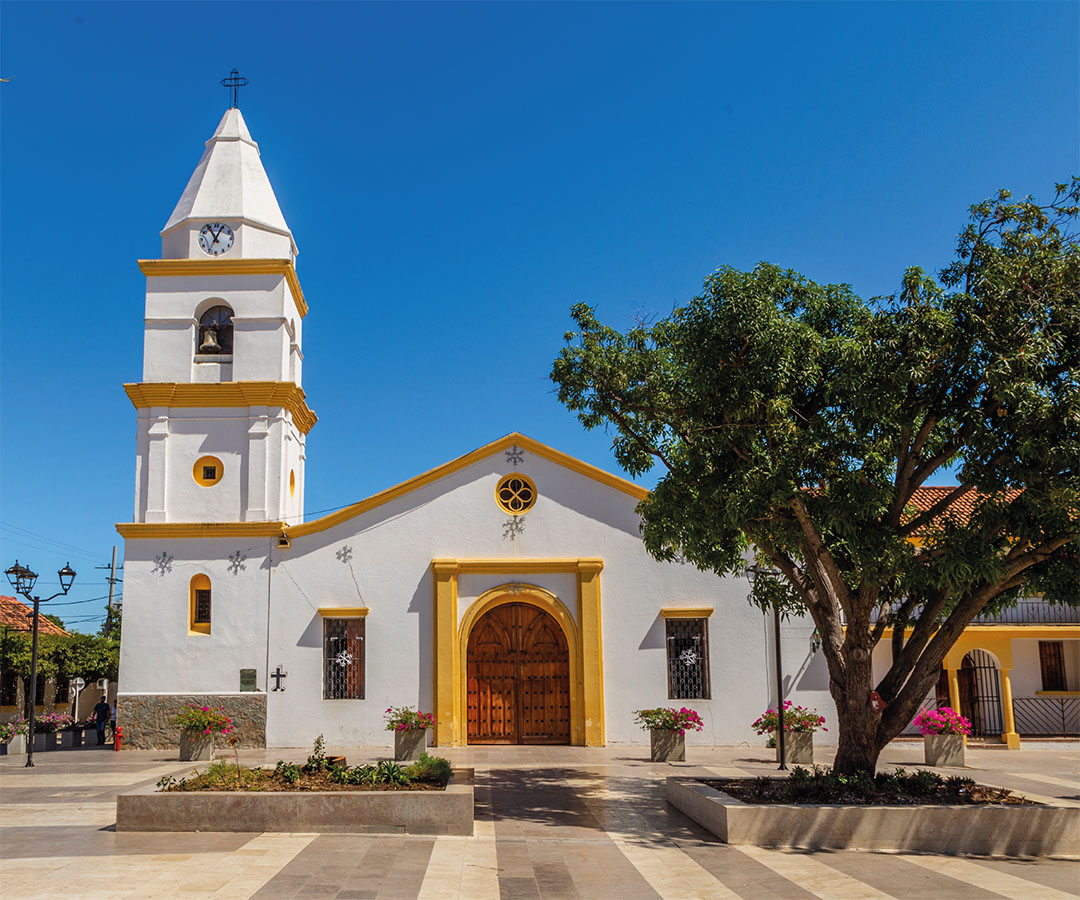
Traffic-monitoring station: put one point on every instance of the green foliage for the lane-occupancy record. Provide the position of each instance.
(287, 772)
(824, 785)
(796, 420)
(67, 656)
(432, 769)
(316, 762)
(56, 620)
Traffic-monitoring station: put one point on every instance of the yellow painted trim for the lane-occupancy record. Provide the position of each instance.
(686, 612)
(1057, 693)
(504, 482)
(164, 268)
(285, 394)
(343, 612)
(518, 566)
(200, 464)
(199, 582)
(456, 465)
(583, 635)
(549, 603)
(155, 530)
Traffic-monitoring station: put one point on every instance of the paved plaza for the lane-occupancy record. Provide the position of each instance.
(551, 822)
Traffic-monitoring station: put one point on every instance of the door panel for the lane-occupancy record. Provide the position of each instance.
(518, 678)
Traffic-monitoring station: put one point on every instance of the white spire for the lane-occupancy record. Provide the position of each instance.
(230, 183)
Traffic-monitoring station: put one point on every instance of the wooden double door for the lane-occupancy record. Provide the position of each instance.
(518, 678)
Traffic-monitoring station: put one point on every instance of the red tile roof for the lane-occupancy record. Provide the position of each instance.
(18, 615)
(959, 510)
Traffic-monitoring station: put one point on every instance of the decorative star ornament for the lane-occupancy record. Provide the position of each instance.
(513, 527)
(163, 564)
(236, 562)
(515, 456)
(344, 554)
(689, 657)
(344, 658)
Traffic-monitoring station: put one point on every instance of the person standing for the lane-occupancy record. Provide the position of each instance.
(102, 715)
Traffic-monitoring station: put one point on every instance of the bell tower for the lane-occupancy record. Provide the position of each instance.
(222, 416)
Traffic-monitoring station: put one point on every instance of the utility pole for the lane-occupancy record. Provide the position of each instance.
(112, 579)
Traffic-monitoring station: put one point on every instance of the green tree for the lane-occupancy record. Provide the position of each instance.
(798, 420)
(56, 620)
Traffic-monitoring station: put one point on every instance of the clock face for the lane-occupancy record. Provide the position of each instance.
(216, 239)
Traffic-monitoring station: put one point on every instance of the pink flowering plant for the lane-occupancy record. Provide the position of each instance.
(669, 719)
(942, 721)
(796, 718)
(16, 726)
(205, 719)
(53, 722)
(405, 718)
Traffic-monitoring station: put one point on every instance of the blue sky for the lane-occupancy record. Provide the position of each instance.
(456, 176)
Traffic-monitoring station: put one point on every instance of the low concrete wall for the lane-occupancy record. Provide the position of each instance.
(146, 719)
(1049, 830)
(382, 812)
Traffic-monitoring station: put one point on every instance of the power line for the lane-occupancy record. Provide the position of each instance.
(48, 539)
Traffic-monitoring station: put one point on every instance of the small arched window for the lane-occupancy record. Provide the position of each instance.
(199, 605)
(215, 332)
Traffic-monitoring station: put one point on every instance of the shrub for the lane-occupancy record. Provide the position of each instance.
(204, 719)
(316, 762)
(797, 719)
(942, 721)
(405, 718)
(669, 719)
(432, 769)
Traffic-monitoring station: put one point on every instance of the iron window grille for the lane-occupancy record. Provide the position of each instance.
(1052, 664)
(688, 659)
(202, 606)
(209, 473)
(343, 659)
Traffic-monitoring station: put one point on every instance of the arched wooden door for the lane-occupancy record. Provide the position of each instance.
(518, 678)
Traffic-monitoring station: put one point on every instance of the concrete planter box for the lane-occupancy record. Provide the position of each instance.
(798, 748)
(16, 747)
(73, 738)
(380, 812)
(46, 740)
(196, 746)
(1049, 830)
(944, 750)
(409, 744)
(666, 746)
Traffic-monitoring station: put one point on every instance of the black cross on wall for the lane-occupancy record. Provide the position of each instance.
(277, 675)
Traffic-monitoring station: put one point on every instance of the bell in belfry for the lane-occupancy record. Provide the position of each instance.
(209, 342)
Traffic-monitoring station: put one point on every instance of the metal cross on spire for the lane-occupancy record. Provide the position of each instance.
(234, 82)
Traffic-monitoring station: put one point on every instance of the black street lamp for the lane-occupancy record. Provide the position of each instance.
(753, 573)
(22, 580)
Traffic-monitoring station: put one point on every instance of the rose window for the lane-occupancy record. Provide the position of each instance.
(516, 494)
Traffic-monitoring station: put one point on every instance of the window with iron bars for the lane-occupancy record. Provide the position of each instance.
(688, 659)
(202, 606)
(343, 659)
(1052, 664)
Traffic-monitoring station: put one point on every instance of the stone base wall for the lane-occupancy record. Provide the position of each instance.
(146, 719)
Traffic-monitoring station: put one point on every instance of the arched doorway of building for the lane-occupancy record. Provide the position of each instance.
(980, 693)
(518, 678)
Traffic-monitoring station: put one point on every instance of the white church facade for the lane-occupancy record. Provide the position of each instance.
(508, 590)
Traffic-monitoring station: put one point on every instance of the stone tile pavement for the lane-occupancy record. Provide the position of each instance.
(553, 823)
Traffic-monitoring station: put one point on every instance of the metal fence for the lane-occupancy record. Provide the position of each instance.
(1047, 716)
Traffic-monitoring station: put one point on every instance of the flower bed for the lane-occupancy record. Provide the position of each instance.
(931, 825)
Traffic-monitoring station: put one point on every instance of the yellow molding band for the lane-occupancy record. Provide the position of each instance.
(516, 566)
(332, 612)
(503, 443)
(1057, 693)
(686, 612)
(156, 530)
(164, 268)
(285, 394)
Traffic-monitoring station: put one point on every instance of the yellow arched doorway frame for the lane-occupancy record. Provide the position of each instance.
(543, 599)
(582, 635)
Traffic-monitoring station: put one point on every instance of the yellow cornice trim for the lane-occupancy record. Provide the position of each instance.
(163, 268)
(341, 612)
(226, 394)
(199, 529)
(455, 465)
(1068, 630)
(686, 612)
(516, 566)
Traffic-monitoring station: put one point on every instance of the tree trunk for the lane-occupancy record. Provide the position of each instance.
(858, 748)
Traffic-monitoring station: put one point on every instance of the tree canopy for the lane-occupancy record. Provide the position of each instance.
(797, 419)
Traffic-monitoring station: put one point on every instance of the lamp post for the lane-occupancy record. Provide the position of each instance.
(753, 573)
(22, 580)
